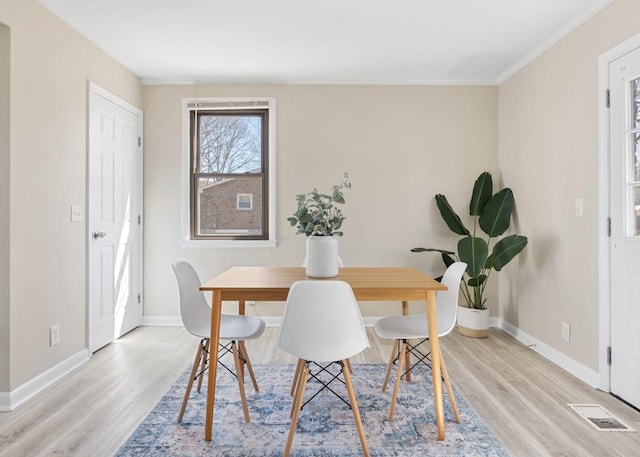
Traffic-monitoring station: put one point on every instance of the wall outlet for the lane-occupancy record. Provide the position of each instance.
(54, 335)
(579, 207)
(566, 331)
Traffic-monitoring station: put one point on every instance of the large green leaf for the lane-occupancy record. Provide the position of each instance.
(473, 251)
(338, 196)
(506, 249)
(482, 190)
(477, 281)
(448, 257)
(489, 264)
(496, 214)
(450, 217)
(448, 260)
(441, 251)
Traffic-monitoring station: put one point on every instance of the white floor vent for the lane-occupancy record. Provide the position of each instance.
(600, 418)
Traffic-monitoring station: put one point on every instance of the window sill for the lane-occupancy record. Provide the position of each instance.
(229, 243)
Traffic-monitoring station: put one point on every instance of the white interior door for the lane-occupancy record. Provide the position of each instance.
(115, 196)
(624, 80)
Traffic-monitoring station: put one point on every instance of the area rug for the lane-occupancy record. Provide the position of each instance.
(326, 426)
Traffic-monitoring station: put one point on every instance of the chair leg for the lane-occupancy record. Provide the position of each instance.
(396, 385)
(239, 376)
(407, 365)
(296, 376)
(391, 359)
(452, 399)
(194, 370)
(302, 365)
(205, 360)
(407, 362)
(354, 408)
(241, 372)
(297, 404)
(245, 356)
(348, 365)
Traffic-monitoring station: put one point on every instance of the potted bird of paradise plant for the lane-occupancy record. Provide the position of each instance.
(480, 248)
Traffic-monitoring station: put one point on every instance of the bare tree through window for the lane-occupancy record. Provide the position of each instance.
(229, 144)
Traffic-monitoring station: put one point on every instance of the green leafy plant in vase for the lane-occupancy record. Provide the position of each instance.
(316, 213)
(318, 217)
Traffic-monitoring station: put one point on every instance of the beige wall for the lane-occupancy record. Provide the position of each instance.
(50, 67)
(400, 145)
(548, 135)
(4, 207)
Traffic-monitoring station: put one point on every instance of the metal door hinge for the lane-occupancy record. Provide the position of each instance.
(140, 140)
(608, 98)
(608, 355)
(139, 299)
(139, 219)
(609, 227)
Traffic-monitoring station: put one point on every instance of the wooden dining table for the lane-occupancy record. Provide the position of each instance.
(368, 283)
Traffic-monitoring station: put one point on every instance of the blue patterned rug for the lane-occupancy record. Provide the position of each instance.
(326, 426)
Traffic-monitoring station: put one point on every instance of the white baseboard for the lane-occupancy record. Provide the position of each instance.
(369, 321)
(9, 401)
(176, 321)
(580, 371)
(270, 321)
(162, 321)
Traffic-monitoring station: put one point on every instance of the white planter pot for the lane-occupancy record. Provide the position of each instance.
(322, 256)
(473, 322)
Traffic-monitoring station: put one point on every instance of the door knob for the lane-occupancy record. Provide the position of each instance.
(97, 235)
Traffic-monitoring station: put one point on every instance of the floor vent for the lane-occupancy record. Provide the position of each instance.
(600, 418)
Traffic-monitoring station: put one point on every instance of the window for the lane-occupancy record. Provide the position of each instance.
(245, 202)
(230, 171)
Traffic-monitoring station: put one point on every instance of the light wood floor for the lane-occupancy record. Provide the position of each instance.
(521, 397)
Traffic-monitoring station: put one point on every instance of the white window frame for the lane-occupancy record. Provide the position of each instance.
(212, 103)
(239, 200)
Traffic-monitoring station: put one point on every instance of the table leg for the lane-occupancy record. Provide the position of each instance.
(241, 307)
(407, 356)
(434, 345)
(216, 311)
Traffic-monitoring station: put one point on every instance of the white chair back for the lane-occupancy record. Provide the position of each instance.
(194, 309)
(447, 301)
(322, 322)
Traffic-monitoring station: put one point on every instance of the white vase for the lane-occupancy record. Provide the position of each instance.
(322, 256)
(473, 322)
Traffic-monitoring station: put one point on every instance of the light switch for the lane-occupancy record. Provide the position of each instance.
(579, 207)
(76, 213)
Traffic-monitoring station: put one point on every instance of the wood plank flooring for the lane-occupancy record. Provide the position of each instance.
(521, 396)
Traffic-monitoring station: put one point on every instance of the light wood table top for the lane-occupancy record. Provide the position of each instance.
(273, 283)
(368, 284)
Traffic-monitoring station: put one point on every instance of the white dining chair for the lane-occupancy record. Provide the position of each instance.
(414, 327)
(300, 363)
(322, 325)
(234, 330)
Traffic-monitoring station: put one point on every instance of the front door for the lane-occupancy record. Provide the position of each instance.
(624, 153)
(115, 196)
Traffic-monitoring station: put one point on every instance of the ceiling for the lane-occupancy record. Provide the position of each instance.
(324, 41)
